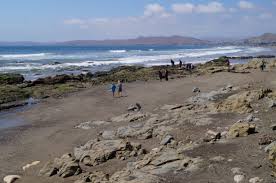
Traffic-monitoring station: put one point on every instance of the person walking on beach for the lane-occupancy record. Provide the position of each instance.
(167, 75)
(262, 66)
(172, 62)
(113, 89)
(120, 88)
(180, 63)
(160, 75)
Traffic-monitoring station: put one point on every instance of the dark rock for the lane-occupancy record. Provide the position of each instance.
(273, 127)
(136, 107)
(11, 78)
(196, 90)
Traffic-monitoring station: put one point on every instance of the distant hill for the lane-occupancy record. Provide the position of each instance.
(172, 40)
(266, 38)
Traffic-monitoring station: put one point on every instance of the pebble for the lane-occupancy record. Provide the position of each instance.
(255, 180)
(239, 178)
(11, 178)
(30, 165)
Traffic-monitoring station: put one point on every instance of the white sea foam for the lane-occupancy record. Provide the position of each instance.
(117, 51)
(23, 55)
(91, 59)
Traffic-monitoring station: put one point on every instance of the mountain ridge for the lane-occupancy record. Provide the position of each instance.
(153, 40)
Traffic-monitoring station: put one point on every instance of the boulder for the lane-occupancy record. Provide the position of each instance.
(241, 130)
(136, 107)
(167, 139)
(11, 79)
(64, 166)
(96, 152)
(11, 178)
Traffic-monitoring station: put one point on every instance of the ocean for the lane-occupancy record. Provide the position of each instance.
(41, 61)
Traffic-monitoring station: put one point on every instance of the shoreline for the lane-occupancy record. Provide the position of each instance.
(56, 86)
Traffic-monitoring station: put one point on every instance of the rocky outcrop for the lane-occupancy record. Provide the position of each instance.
(64, 166)
(130, 117)
(96, 152)
(271, 149)
(241, 130)
(240, 103)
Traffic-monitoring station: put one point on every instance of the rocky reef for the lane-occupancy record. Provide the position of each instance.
(14, 90)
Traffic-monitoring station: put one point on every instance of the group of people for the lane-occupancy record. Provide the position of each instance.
(118, 87)
(187, 66)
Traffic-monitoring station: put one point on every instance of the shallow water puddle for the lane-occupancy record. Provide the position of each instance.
(10, 121)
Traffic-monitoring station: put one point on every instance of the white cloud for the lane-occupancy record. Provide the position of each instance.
(183, 8)
(246, 5)
(212, 7)
(74, 21)
(155, 10)
(265, 16)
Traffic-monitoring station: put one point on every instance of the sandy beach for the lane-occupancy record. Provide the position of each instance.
(48, 130)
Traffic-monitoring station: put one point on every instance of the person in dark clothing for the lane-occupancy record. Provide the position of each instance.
(120, 88)
(160, 75)
(172, 62)
(167, 75)
(180, 63)
(262, 66)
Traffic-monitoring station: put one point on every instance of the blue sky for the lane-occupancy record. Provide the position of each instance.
(59, 20)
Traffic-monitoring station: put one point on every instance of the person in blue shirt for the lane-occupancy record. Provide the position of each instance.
(113, 89)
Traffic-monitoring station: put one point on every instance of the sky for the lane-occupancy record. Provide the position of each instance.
(61, 20)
